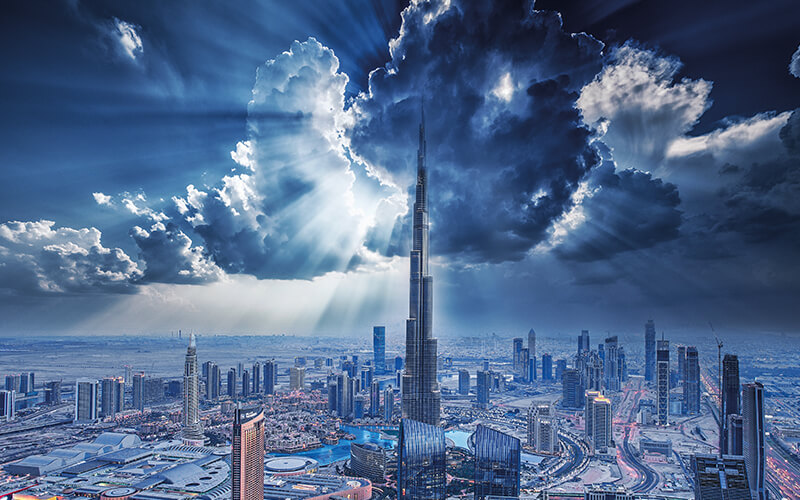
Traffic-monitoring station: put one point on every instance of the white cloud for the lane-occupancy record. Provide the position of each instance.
(102, 199)
(794, 65)
(137, 205)
(129, 39)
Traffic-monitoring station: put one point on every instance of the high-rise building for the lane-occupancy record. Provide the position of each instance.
(735, 427)
(532, 344)
(214, 382)
(650, 350)
(111, 396)
(270, 369)
(7, 402)
(497, 464)
(691, 382)
(592, 376)
(375, 399)
(718, 477)
(681, 364)
(542, 428)
(730, 393)
(515, 350)
(421, 394)
(367, 374)
(662, 382)
(192, 431)
(344, 397)
(547, 367)
(583, 342)
(572, 395)
(359, 402)
(421, 461)
(611, 376)
(623, 365)
(379, 348)
(463, 382)
(256, 378)
(588, 416)
(52, 392)
(87, 393)
(524, 357)
(482, 387)
(602, 417)
(297, 378)
(246, 390)
(753, 437)
(532, 369)
(13, 382)
(247, 454)
(138, 391)
(388, 404)
(231, 385)
(561, 365)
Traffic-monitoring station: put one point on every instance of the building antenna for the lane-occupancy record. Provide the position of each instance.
(719, 376)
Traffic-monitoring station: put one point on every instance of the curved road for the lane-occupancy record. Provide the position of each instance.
(649, 478)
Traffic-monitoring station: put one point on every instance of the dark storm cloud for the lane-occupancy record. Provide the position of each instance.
(169, 256)
(506, 146)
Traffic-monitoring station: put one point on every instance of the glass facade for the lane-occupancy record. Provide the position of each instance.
(421, 461)
(497, 463)
(379, 348)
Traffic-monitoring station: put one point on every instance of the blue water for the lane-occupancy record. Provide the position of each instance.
(459, 438)
(333, 453)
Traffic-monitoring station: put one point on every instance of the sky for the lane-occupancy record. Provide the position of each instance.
(246, 167)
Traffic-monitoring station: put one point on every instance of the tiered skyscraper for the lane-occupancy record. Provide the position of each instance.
(192, 430)
(421, 395)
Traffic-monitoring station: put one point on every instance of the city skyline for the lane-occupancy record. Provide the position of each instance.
(610, 172)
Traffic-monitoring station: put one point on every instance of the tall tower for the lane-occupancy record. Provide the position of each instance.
(379, 348)
(421, 396)
(649, 350)
(662, 382)
(192, 431)
(730, 395)
(753, 437)
(247, 454)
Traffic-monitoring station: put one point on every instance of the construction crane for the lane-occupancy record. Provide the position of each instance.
(719, 377)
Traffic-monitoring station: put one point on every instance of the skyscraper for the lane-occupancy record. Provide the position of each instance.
(421, 395)
(379, 348)
(192, 431)
(86, 394)
(231, 386)
(523, 359)
(602, 417)
(572, 395)
(649, 350)
(375, 399)
(542, 428)
(52, 392)
(297, 378)
(246, 390)
(719, 477)
(681, 364)
(730, 394)
(482, 388)
(256, 378)
(753, 437)
(735, 435)
(344, 397)
(247, 454)
(691, 382)
(497, 463)
(611, 376)
(214, 383)
(662, 382)
(388, 404)
(138, 391)
(588, 415)
(420, 461)
(515, 352)
(583, 342)
(7, 402)
(463, 382)
(269, 377)
(547, 367)
(531, 344)
(111, 396)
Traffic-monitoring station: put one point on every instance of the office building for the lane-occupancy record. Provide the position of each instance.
(231, 385)
(192, 431)
(297, 378)
(611, 377)
(246, 390)
(484, 383)
(87, 393)
(256, 378)
(214, 382)
(421, 461)
(388, 404)
(571, 391)
(531, 344)
(52, 392)
(420, 390)
(497, 464)
(111, 396)
(607, 492)
(463, 382)
(588, 417)
(375, 399)
(247, 454)
(602, 419)
(270, 371)
(359, 403)
(753, 438)
(547, 367)
(731, 404)
(583, 342)
(662, 382)
(344, 396)
(367, 373)
(718, 477)
(138, 391)
(515, 351)
(561, 365)
(13, 382)
(8, 400)
(379, 348)
(691, 382)
(368, 460)
(681, 364)
(592, 373)
(532, 369)
(542, 428)
(735, 429)
(650, 351)
(524, 357)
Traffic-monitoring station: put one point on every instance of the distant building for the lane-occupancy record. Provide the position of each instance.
(297, 378)
(246, 391)
(542, 428)
(598, 422)
(583, 342)
(368, 460)
(270, 370)
(608, 493)
(571, 393)
(192, 431)
(497, 464)
(256, 378)
(247, 455)
(681, 364)
(561, 365)
(112, 396)
(691, 382)
(463, 382)
(398, 363)
(611, 374)
(482, 388)
(388, 404)
(379, 348)
(421, 461)
(87, 393)
(662, 382)
(52, 392)
(524, 357)
(531, 369)
(753, 437)
(214, 383)
(359, 403)
(531, 345)
(344, 396)
(231, 385)
(375, 399)
(720, 477)
(649, 351)
(731, 404)
(655, 446)
(138, 391)
(7, 402)
(515, 351)
(547, 367)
